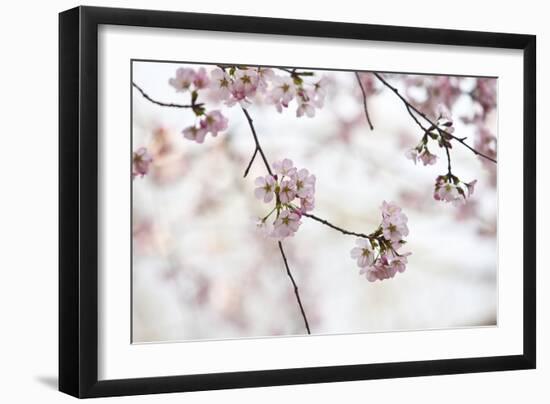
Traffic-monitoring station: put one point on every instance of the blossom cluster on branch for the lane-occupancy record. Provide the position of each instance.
(293, 193)
(377, 253)
(445, 91)
(240, 84)
(448, 187)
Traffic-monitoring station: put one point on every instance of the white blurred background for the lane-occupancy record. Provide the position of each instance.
(200, 271)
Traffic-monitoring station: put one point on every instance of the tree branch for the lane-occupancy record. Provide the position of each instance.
(411, 108)
(333, 226)
(296, 293)
(258, 149)
(163, 104)
(364, 100)
(448, 160)
(250, 162)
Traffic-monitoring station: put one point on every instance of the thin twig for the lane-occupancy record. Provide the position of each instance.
(411, 108)
(333, 226)
(295, 287)
(448, 160)
(364, 100)
(250, 162)
(163, 104)
(256, 142)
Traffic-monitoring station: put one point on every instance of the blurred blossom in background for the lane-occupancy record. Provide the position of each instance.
(202, 271)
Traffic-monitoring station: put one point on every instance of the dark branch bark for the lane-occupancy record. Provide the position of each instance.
(364, 100)
(449, 171)
(333, 226)
(163, 104)
(257, 143)
(250, 162)
(296, 293)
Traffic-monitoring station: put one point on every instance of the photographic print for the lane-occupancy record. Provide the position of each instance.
(272, 201)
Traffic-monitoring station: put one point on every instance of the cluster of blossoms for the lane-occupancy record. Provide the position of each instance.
(240, 84)
(438, 133)
(377, 254)
(293, 192)
(213, 122)
(141, 161)
(449, 188)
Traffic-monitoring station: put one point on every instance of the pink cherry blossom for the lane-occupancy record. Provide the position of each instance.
(284, 167)
(201, 79)
(214, 122)
(447, 192)
(304, 183)
(394, 227)
(284, 91)
(265, 188)
(287, 224)
(412, 154)
(450, 189)
(220, 84)
(428, 158)
(319, 92)
(243, 87)
(380, 270)
(287, 191)
(363, 253)
(183, 80)
(390, 209)
(141, 161)
(399, 262)
(471, 186)
(265, 75)
(307, 204)
(194, 133)
(305, 103)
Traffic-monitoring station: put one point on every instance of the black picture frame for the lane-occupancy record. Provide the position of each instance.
(78, 201)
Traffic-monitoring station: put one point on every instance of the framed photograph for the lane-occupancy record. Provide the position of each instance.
(251, 201)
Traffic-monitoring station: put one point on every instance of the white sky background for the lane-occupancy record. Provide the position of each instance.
(207, 275)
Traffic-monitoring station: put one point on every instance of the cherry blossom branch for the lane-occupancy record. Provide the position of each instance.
(258, 148)
(333, 226)
(163, 104)
(250, 162)
(296, 293)
(448, 160)
(411, 108)
(364, 100)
